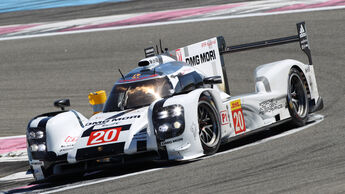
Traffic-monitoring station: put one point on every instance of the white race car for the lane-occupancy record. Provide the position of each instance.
(175, 106)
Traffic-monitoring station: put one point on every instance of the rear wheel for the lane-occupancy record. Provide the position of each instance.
(297, 98)
(209, 127)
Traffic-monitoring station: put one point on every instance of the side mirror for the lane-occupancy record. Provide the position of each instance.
(62, 103)
(213, 80)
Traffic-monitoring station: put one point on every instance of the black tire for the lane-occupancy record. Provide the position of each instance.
(297, 98)
(209, 126)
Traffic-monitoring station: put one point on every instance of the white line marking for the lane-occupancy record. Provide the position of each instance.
(317, 118)
(14, 156)
(12, 137)
(174, 22)
(19, 176)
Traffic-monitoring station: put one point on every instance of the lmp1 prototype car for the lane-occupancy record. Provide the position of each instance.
(175, 106)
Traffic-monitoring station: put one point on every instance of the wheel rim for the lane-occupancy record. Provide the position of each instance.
(208, 129)
(298, 98)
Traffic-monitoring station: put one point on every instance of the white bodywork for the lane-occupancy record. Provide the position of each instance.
(69, 132)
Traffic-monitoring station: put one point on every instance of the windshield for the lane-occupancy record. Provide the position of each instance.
(137, 94)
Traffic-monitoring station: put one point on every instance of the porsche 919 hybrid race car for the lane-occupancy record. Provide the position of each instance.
(175, 106)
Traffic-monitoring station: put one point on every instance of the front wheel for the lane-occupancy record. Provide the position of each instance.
(209, 127)
(297, 98)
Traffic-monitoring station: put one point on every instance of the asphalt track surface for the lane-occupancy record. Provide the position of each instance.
(34, 72)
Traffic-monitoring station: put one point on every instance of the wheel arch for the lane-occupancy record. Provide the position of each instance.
(56, 127)
(210, 146)
(190, 103)
(272, 77)
(304, 79)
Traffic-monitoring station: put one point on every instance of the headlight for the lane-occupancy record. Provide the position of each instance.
(32, 135)
(177, 125)
(163, 128)
(39, 134)
(41, 147)
(34, 147)
(177, 111)
(35, 135)
(163, 114)
(168, 121)
(36, 140)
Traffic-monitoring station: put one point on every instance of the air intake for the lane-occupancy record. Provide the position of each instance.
(143, 63)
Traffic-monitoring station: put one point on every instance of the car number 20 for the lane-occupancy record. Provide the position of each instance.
(104, 136)
(237, 116)
(238, 122)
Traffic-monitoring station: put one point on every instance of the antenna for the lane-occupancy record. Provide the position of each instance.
(157, 50)
(123, 77)
(160, 45)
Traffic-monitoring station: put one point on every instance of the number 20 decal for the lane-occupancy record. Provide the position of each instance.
(237, 116)
(104, 136)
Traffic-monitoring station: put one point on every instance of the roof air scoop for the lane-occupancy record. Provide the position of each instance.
(150, 62)
(143, 63)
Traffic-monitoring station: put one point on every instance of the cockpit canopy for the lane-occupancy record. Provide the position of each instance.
(142, 86)
(138, 94)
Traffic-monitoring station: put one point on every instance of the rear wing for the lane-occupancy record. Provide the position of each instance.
(207, 55)
(301, 37)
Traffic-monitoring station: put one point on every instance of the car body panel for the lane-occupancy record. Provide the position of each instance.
(121, 130)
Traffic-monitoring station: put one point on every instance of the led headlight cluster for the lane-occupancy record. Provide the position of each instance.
(36, 139)
(168, 121)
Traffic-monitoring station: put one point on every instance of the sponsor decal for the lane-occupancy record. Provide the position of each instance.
(304, 44)
(66, 147)
(269, 106)
(194, 130)
(154, 60)
(113, 121)
(104, 136)
(302, 32)
(311, 83)
(237, 116)
(202, 58)
(208, 43)
(179, 55)
(139, 78)
(88, 131)
(136, 76)
(171, 141)
(37, 162)
(69, 143)
(149, 52)
(186, 71)
(71, 139)
(303, 37)
(224, 117)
